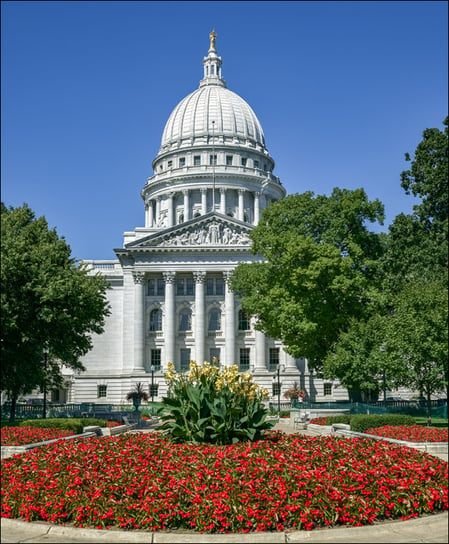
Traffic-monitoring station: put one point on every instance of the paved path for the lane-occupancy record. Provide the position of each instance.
(430, 529)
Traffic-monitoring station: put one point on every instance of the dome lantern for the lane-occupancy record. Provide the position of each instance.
(212, 65)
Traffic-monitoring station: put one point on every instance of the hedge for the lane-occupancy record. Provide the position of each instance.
(361, 423)
(330, 420)
(70, 424)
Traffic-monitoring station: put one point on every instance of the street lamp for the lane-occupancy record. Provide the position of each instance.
(152, 369)
(44, 407)
(384, 380)
(278, 372)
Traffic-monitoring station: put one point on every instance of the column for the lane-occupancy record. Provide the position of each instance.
(230, 356)
(170, 209)
(203, 201)
(186, 205)
(139, 321)
(256, 207)
(200, 318)
(169, 322)
(158, 209)
(223, 200)
(261, 360)
(240, 211)
(149, 214)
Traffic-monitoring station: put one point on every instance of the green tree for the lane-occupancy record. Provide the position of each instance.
(318, 270)
(47, 301)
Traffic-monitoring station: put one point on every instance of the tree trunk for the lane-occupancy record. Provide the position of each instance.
(12, 413)
(429, 410)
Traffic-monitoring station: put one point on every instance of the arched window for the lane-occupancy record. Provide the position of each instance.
(243, 321)
(185, 320)
(214, 320)
(156, 320)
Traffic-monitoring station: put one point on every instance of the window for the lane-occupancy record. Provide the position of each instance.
(256, 164)
(244, 161)
(214, 356)
(215, 286)
(156, 359)
(102, 391)
(276, 389)
(182, 162)
(265, 167)
(185, 320)
(185, 286)
(327, 389)
(181, 218)
(153, 390)
(196, 160)
(243, 321)
(214, 320)
(273, 360)
(156, 287)
(169, 164)
(228, 160)
(244, 359)
(185, 359)
(156, 320)
(213, 160)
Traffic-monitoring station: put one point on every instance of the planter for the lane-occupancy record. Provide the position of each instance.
(136, 402)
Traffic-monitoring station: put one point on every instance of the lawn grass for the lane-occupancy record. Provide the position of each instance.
(439, 422)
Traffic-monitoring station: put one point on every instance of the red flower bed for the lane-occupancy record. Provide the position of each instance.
(318, 421)
(412, 433)
(111, 424)
(19, 436)
(145, 482)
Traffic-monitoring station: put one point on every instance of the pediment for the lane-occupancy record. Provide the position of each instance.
(209, 231)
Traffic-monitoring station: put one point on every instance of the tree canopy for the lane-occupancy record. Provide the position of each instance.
(318, 271)
(47, 301)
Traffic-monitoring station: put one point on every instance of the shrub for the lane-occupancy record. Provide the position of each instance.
(212, 405)
(70, 424)
(344, 418)
(361, 423)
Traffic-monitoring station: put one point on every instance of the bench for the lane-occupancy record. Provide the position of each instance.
(302, 420)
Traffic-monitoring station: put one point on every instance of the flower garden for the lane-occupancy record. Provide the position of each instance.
(20, 436)
(147, 482)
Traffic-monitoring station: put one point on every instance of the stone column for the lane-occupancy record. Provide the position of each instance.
(223, 200)
(186, 205)
(256, 207)
(169, 324)
(203, 201)
(230, 356)
(139, 321)
(170, 209)
(158, 209)
(261, 359)
(290, 362)
(240, 210)
(149, 214)
(200, 317)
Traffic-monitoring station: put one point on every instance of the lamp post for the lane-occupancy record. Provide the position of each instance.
(152, 387)
(384, 380)
(278, 372)
(44, 407)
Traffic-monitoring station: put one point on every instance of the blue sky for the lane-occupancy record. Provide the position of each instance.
(342, 90)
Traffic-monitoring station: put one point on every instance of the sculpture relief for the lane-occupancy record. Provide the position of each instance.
(212, 234)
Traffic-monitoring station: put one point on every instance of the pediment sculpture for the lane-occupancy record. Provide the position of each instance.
(211, 234)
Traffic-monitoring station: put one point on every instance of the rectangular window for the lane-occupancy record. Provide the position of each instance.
(189, 286)
(327, 389)
(244, 359)
(196, 160)
(185, 359)
(153, 390)
(169, 164)
(156, 287)
(214, 286)
(244, 161)
(228, 160)
(179, 286)
(219, 286)
(102, 391)
(243, 321)
(276, 389)
(273, 360)
(209, 286)
(256, 164)
(213, 160)
(156, 359)
(182, 162)
(214, 356)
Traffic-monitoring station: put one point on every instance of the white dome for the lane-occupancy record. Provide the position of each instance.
(192, 119)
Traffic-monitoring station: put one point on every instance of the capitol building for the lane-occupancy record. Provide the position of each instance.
(169, 293)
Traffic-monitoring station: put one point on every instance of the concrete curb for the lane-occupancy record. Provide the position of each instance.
(431, 528)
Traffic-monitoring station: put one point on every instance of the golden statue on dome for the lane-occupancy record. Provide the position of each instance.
(213, 37)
